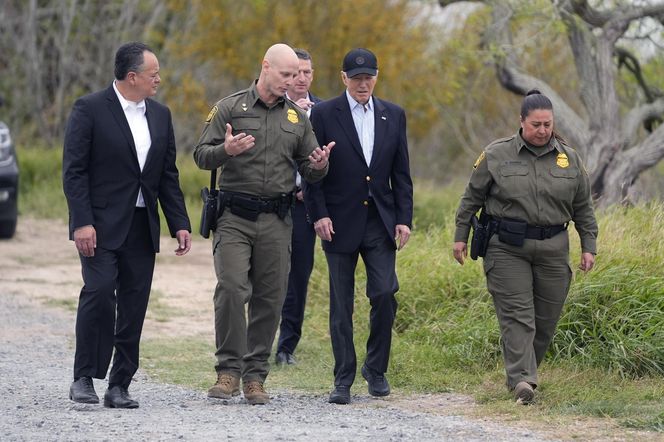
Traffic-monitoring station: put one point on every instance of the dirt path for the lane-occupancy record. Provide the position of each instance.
(40, 269)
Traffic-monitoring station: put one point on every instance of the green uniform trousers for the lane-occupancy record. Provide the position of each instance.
(529, 285)
(252, 261)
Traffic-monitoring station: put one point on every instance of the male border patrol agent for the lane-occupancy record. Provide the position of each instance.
(254, 136)
(531, 185)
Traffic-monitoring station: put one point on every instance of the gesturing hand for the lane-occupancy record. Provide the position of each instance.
(319, 157)
(236, 144)
(305, 103)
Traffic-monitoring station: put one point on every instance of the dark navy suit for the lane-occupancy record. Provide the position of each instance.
(303, 241)
(363, 225)
(102, 177)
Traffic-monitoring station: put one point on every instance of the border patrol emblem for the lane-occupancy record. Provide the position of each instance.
(479, 160)
(292, 116)
(562, 160)
(212, 113)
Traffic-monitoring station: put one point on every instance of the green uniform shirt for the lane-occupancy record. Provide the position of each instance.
(543, 186)
(283, 135)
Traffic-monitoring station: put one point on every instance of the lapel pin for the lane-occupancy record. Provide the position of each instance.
(383, 117)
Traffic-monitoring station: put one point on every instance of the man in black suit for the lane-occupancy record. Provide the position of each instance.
(119, 159)
(364, 206)
(303, 238)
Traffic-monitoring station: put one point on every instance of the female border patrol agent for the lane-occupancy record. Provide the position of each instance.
(530, 185)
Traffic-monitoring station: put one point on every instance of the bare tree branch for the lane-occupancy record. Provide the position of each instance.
(514, 79)
(631, 13)
(629, 164)
(623, 14)
(581, 44)
(638, 115)
(587, 13)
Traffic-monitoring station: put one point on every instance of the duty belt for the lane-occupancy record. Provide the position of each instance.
(536, 232)
(250, 206)
(539, 232)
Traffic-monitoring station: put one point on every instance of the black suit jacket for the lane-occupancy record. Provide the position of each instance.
(342, 194)
(101, 174)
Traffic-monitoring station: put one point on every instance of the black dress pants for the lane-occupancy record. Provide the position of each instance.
(112, 306)
(379, 255)
(302, 263)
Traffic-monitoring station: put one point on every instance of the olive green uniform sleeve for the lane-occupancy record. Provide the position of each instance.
(473, 198)
(584, 215)
(210, 152)
(301, 156)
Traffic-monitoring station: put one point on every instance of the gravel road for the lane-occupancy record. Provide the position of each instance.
(36, 354)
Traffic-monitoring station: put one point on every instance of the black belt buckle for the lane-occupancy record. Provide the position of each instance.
(545, 232)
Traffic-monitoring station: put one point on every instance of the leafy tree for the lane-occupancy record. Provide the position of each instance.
(223, 42)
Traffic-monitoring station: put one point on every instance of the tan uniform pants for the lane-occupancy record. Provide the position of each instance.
(252, 261)
(529, 285)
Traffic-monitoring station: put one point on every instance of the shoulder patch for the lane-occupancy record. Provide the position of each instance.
(212, 113)
(479, 159)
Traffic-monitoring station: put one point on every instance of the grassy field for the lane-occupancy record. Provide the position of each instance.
(607, 358)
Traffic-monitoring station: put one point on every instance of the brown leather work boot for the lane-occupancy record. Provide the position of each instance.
(254, 393)
(226, 387)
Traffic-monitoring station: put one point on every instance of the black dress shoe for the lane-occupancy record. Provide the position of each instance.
(83, 390)
(340, 395)
(285, 358)
(378, 385)
(118, 397)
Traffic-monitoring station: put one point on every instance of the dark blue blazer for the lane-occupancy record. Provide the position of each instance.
(314, 98)
(101, 174)
(343, 193)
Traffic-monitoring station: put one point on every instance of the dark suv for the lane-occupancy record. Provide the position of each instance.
(8, 183)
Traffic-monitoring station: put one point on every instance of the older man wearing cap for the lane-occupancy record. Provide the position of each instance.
(364, 206)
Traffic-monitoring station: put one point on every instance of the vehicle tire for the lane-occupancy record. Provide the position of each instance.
(7, 228)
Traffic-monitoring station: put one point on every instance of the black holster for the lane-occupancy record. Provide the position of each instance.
(210, 211)
(482, 231)
(286, 202)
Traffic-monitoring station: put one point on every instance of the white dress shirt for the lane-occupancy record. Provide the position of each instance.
(138, 123)
(363, 117)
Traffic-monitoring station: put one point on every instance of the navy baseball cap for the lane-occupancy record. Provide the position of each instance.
(360, 61)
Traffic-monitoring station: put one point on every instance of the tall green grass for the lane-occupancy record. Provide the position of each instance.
(614, 318)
